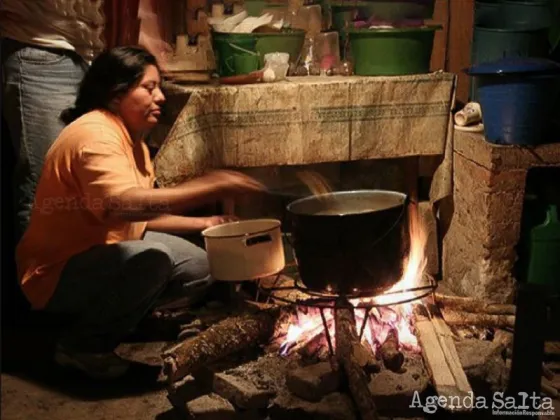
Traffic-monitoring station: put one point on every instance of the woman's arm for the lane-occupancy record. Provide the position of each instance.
(148, 203)
(180, 224)
(111, 191)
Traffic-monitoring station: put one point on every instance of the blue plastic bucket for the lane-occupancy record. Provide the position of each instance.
(516, 109)
(517, 98)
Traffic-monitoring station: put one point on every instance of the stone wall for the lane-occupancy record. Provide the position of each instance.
(478, 254)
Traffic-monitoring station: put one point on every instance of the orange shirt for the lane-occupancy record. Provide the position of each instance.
(93, 158)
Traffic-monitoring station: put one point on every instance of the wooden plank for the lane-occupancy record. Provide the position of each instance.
(445, 337)
(438, 61)
(434, 357)
(460, 38)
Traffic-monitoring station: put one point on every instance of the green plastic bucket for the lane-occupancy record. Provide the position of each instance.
(527, 14)
(544, 261)
(491, 43)
(389, 52)
(487, 11)
(226, 45)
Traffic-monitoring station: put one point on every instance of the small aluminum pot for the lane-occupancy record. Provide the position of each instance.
(245, 250)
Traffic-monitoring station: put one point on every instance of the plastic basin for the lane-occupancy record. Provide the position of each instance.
(388, 52)
(226, 45)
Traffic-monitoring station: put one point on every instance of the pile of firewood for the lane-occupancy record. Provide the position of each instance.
(256, 325)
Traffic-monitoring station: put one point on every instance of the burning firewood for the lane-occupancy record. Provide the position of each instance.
(221, 340)
(480, 319)
(467, 304)
(348, 354)
(392, 357)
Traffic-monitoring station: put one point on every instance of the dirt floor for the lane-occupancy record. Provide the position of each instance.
(34, 388)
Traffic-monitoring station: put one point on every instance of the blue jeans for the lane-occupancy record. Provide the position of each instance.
(107, 290)
(38, 84)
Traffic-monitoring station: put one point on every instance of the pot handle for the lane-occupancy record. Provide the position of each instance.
(259, 239)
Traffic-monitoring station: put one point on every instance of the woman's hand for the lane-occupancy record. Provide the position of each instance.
(219, 220)
(231, 181)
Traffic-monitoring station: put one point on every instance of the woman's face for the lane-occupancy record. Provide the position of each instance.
(140, 108)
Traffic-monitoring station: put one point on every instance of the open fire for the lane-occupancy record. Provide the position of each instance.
(384, 320)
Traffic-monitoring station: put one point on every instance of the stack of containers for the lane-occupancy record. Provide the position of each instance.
(509, 28)
(514, 80)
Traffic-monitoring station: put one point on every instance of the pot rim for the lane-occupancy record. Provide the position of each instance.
(350, 192)
(206, 232)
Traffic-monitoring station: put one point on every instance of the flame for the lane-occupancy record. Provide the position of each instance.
(381, 320)
(415, 263)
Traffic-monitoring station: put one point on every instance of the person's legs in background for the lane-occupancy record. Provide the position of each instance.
(38, 84)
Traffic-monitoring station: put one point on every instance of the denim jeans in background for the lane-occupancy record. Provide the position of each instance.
(105, 291)
(38, 84)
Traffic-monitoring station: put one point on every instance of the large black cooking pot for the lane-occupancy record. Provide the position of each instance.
(350, 242)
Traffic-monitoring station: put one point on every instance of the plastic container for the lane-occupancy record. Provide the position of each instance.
(544, 251)
(226, 45)
(486, 12)
(517, 97)
(526, 13)
(491, 43)
(387, 52)
(279, 63)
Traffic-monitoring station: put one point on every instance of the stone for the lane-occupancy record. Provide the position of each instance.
(484, 365)
(395, 391)
(187, 389)
(335, 406)
(241, 392)
(211, 407)
(267, 372)
(313, 382)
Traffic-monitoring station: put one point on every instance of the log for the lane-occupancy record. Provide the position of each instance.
(435, 358)
(349, 351)
(549, 391)
(481, 320)
(392, 357)
(227, 337)
(547, 373)
(467, 304)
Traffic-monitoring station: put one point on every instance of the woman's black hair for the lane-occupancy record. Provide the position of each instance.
(112, 73)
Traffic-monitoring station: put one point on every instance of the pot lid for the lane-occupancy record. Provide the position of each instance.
(515, 65)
